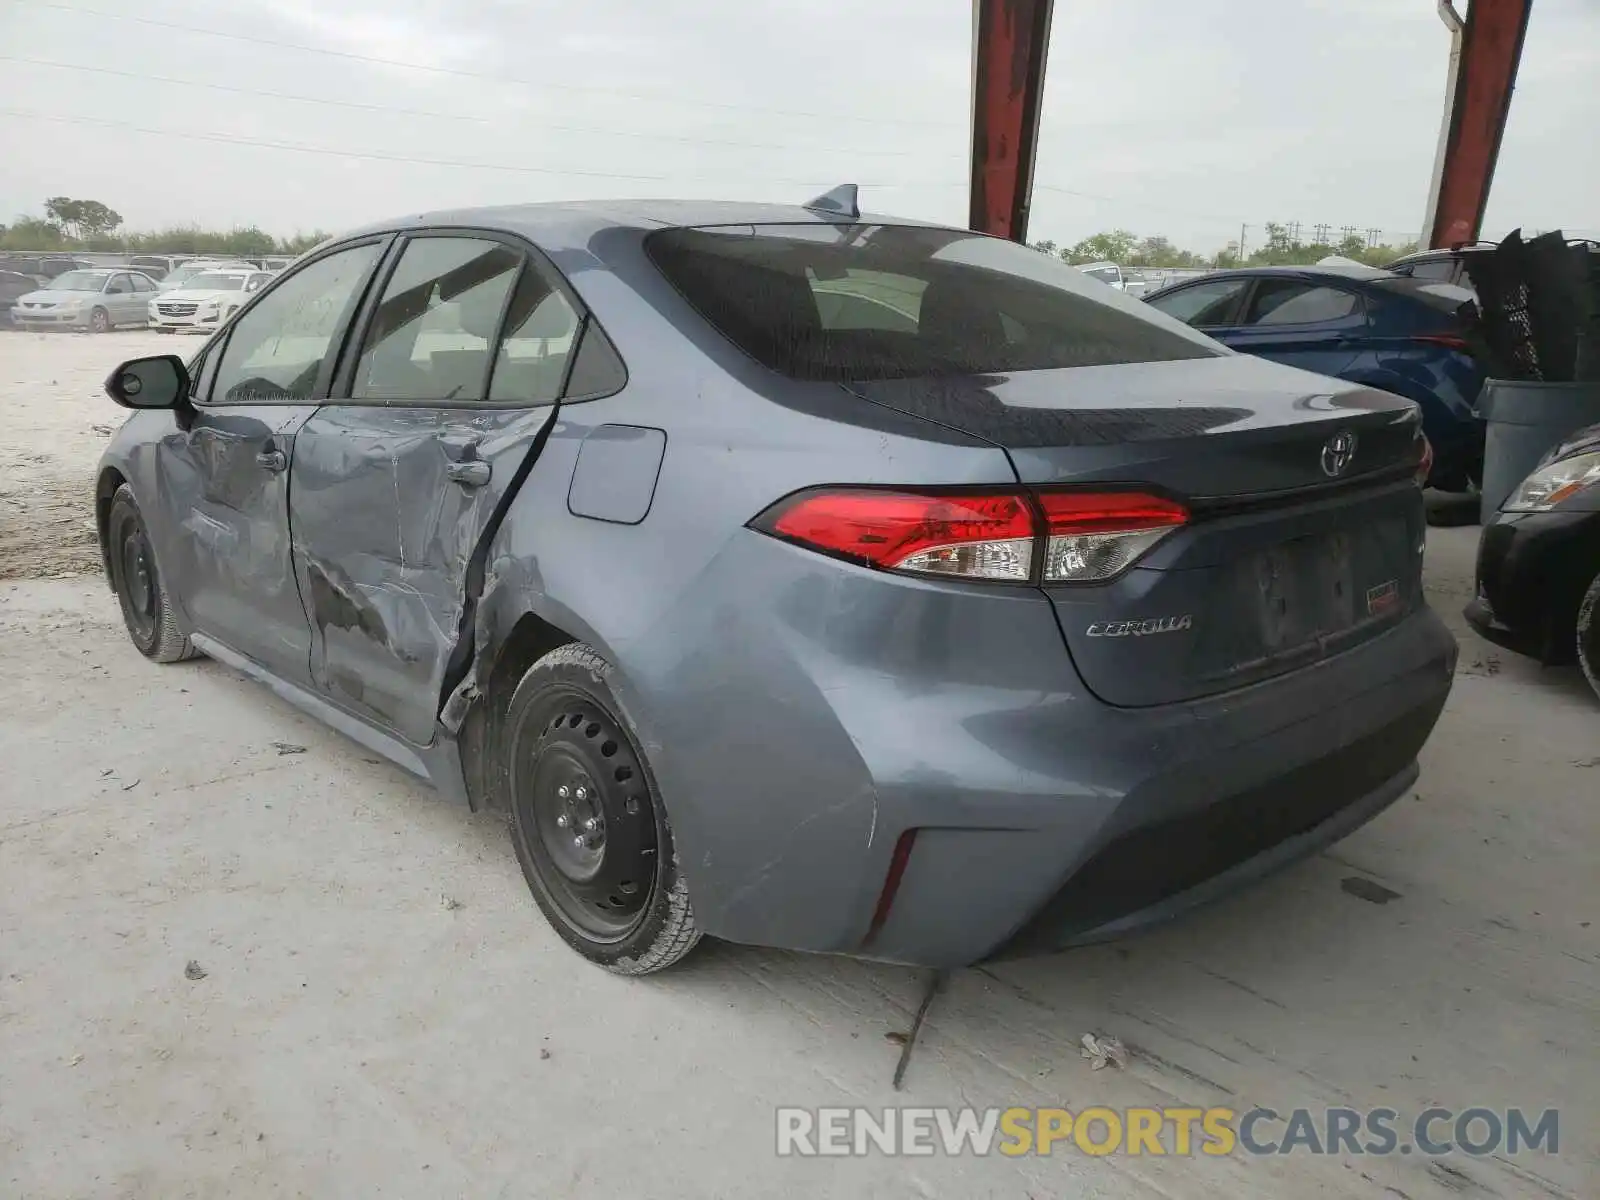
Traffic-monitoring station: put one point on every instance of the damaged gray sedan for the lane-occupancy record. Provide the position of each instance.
(794, 577)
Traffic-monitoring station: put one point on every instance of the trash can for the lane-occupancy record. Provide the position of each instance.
(1524, 420)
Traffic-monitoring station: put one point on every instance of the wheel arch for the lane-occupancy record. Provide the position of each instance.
(106, 485)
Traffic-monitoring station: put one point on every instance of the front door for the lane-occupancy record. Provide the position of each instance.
(396, 484)
(125, 306)
(224, 479)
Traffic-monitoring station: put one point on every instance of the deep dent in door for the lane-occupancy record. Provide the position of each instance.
(411, 590)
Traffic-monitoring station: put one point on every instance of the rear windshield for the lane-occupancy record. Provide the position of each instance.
(860, 302)
(1443, 297)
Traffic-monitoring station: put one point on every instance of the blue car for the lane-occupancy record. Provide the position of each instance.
(1362, 324)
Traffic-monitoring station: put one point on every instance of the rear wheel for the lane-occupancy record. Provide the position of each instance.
(1589, 634)
(146, 606)
(99, 321)
(590, 830)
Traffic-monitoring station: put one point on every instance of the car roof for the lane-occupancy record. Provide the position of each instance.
(570, 224)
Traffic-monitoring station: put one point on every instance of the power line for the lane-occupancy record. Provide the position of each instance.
(417, 112)
(299, 148)
(461, 73)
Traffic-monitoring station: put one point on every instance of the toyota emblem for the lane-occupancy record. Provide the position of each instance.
(1337, 453)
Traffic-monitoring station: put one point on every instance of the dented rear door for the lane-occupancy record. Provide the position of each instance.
(398, 484)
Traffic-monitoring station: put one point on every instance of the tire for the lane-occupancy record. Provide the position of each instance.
(1589, 635)
(99, 321)
(587, 820)
(141, 591)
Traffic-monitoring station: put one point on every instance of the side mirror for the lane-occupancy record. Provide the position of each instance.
(161, 381)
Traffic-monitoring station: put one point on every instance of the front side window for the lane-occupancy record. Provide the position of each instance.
(120, 285)
(276, 350)
(142, 283)
(431, 335)
(864, 302)
(1204, 305)
(1293, 302)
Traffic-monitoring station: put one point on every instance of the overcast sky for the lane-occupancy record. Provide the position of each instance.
(1182, 117)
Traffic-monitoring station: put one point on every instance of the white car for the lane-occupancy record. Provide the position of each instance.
(205, 301)
(179, 276)
(1107, 273)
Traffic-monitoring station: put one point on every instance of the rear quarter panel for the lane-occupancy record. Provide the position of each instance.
(753, 762)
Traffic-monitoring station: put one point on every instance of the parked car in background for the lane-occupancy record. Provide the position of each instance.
(44, 266)
(12, 288)
(1438, 266)
(205, 301)
(181, 275)
(96, 300)
(1107, 273)
(1360, 324)
(994, 613)
(1538, 574)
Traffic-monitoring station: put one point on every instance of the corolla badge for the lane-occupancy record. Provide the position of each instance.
(1338, 452)
(1140, 628)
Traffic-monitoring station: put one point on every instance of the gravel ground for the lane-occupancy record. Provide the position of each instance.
(57, 420)
(240, 957)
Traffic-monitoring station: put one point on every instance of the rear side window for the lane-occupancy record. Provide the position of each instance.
(1292, 302)
(540, 331)
(862, 302)
(432, 334)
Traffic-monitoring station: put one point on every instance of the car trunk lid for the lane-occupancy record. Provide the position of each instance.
(1305, 525)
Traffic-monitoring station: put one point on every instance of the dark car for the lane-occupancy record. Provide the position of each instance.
(1538, 587)
(1440, 266)
(45, 266)
(13, 287)
(799, 578)
(1359, 324)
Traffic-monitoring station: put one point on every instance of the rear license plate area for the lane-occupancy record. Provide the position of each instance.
(1306, 589)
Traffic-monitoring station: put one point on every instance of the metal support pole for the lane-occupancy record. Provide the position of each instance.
(1009, 42)
(1480, 101)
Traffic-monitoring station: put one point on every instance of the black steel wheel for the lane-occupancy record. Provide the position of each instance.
(1589, 635)
(99, 321)
(146, 607)
(590, 831)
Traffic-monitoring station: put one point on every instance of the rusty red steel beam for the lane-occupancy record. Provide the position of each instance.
(1010, 38)
(1491, 49)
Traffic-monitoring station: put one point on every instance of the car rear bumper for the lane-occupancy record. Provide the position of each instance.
(871, 729)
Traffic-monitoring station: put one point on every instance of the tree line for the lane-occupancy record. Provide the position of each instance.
(1280, 248)
(70, 224)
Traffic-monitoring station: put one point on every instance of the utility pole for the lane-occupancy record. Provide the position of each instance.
(1374, 236)
(1242, 230)
(1322, 233)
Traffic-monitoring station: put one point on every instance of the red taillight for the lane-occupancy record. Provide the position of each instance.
(1087, 537)
(1451, 341)
(1424, 460)
(978, 536)
(1097, 535)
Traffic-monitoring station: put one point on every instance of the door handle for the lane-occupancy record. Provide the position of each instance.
(272, 460)
(469, 472)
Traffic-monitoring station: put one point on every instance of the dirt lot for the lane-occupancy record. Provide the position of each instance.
(374, 1005)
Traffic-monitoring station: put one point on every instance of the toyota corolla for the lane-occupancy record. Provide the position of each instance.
(791, 576)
